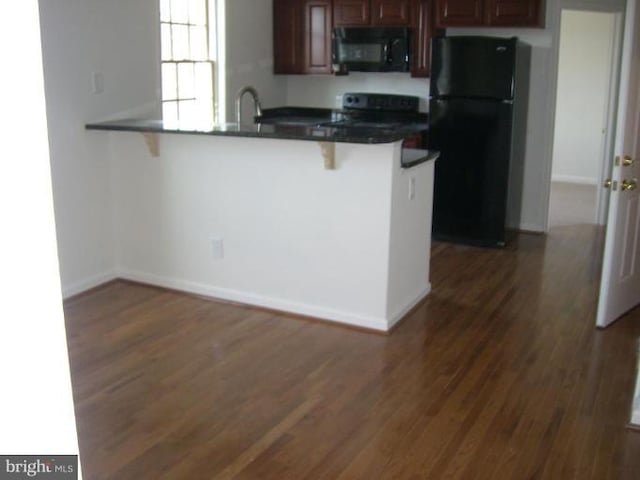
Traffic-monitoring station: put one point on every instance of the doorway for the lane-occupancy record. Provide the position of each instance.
(584, 116)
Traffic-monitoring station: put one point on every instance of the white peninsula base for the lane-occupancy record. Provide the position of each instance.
(262, 222)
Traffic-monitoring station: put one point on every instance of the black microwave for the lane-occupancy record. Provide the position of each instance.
(370, 49)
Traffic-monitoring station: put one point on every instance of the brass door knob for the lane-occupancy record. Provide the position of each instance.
(629, 184)
(627, 161)
(607, 183)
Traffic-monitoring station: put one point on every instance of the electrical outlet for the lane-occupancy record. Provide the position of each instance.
(217, 249)
(412, 188)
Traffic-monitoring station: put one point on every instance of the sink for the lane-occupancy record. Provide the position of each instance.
(291, 121)
(294, 116)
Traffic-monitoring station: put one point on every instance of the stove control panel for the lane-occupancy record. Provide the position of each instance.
(380, 102)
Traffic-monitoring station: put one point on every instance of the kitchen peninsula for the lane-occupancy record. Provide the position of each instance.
(315, 220)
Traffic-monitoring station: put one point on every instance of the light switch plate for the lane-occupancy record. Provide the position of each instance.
(97, 82)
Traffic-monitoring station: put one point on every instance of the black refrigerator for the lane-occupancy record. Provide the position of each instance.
(477, 120)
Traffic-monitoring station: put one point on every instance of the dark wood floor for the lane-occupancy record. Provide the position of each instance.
(499, 374)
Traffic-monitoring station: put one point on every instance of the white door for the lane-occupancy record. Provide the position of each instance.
(620, 283)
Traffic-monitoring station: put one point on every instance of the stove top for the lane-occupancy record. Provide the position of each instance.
(376, 110)
(380, 102)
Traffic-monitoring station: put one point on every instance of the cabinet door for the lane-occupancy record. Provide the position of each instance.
(464, 13)
(391, 12)
(422, 25)
(288, 52)
(317, 36)
(515, 13)
(348, 13)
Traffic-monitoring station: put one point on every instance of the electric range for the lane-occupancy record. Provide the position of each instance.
(377, 110)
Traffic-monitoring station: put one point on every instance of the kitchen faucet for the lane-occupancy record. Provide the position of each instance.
(256, 102)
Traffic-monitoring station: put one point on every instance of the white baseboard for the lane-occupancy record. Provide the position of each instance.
(574, 179)
(635, 409)
(396, 317)
(635, 413)
(530, 228)
(249, 298)
(75, 288)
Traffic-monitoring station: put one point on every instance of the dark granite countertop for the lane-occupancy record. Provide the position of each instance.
(288, 123)
(412, 157)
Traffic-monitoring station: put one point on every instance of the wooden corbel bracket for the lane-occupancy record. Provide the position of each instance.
(328, 150)
(153, 143)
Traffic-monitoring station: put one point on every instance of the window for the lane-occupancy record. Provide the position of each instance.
(188, 60)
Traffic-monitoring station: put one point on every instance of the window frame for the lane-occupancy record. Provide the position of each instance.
(203, 108)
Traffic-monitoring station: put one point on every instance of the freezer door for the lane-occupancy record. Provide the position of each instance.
(481, 67)
(471, 175)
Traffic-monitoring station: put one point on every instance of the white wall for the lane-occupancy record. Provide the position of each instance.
(296, 237)
(36, 404)
(321, 90)
(119, 40)
(583, 88)
(249, 52)
(410, 237)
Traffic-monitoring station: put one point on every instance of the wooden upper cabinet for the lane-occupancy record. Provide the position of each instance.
(317, 36)
(525, 13)
(453, 13)
(362, 13)
(301, 36)
(491, 13)
(351, 13)
(288, 39)
(391, 12)
(422, 25)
